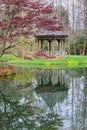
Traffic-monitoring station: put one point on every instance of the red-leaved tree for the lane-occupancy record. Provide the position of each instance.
(23, 17)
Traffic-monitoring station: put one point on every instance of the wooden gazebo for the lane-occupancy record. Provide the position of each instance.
(53, 37)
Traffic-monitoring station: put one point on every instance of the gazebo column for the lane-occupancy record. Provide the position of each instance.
(63, 47)
(38, 45)
(64, 44)
(60, 48)
(49, 48)
(41, 45)
(58, 45)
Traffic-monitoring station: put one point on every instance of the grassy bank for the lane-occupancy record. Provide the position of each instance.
(67, 62)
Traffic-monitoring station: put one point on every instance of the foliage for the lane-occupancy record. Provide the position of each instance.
(72, 62)
(19, 17)
(24, 40)
(24, 45)
(79, 44)
(23, 75)
(7, 71)
(79, 39)
(46, 45)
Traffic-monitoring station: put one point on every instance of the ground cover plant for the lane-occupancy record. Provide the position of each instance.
(67, 62)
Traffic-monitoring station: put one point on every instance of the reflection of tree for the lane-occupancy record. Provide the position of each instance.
(10, 111)
(51, 122)
(15, 115)
(23, 74)
(78, 98)
(76, 73)
(85, 100)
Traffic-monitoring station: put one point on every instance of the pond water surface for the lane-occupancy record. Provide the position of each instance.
(38, 99)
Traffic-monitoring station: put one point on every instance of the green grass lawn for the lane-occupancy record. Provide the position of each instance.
(67, 62)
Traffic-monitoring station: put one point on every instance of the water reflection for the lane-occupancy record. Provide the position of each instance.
(44, 100)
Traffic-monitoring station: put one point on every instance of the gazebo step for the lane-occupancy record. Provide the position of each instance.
(51, 57)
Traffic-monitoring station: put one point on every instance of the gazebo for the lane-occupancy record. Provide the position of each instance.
(54, 38)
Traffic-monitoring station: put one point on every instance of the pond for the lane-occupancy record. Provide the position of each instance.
(44, 99)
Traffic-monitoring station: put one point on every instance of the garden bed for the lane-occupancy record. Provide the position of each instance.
(7, 70)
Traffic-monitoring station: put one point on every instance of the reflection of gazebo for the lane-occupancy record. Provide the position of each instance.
(51, 86)
(51, 93)
(51, 98)
(51, 81)
(57, 36)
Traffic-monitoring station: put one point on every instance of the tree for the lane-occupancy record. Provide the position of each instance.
(24, 46)
(62, 13)
(22, 17)
(79, 44)
(85, 28)
(77, 14)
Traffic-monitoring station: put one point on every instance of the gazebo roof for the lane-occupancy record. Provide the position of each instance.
(52, 98)
(45, 34)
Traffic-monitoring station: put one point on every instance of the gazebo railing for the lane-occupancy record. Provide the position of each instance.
(50, 54)
(60, 53)
(46, 54)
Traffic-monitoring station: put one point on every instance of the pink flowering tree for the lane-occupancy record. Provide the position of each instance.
(23, 17)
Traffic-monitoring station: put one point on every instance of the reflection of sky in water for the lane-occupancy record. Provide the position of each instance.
(69, 105)
(71, 109)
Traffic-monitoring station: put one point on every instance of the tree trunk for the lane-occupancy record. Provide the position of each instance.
(85, 28)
